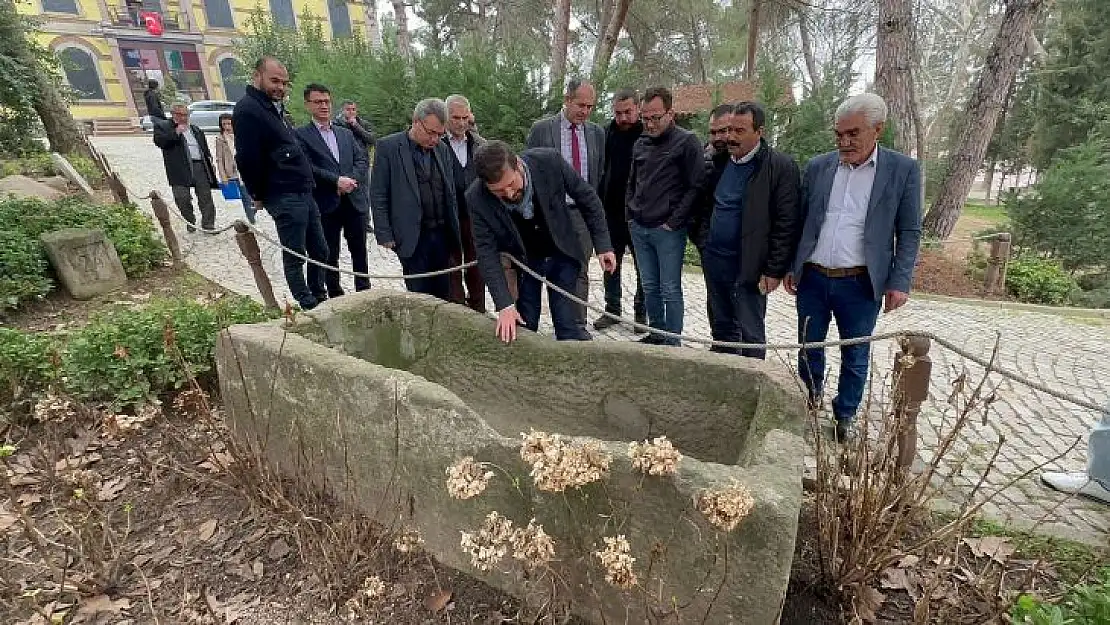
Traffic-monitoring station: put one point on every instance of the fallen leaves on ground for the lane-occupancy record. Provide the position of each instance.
(997, 548)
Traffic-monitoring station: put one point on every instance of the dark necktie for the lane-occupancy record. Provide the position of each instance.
(575, 151)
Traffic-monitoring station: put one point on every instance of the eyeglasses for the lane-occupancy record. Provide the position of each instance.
(427, 130)
(319, 102)
(654, 119)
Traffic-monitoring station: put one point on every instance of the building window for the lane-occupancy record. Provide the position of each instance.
(282, 10)
(230, 70)
(60, 6)
(340, 18)
(81, 74)
(218, 14)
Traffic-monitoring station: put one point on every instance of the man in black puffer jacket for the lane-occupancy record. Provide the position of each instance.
(272, 165)
(747, 228)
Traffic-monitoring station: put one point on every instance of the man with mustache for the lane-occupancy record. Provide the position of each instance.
(747, 229)
(519, 207)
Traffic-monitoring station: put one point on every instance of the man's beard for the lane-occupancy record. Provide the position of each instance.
(720, 146)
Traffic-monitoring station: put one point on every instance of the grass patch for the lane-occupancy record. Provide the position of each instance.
(1075, 562)
(986, 212)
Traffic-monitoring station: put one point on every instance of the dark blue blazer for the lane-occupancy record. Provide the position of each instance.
(326, 170)
(892, 230)
(395, 196)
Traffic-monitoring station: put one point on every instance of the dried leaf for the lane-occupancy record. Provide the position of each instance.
(112, 488)
(207, 530)
(28, 499)
(867, 603)
(908, 561)
(278, 549)
(257, 569)
(997, 548)
(896, 579)
(102, 603)
(7, 519)
(438, 601)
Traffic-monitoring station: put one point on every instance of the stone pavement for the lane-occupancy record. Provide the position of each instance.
(1033, 428)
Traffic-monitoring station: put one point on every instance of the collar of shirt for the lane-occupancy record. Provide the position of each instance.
(747, 157)
(871, 160)
(322, 127)
(566, 123)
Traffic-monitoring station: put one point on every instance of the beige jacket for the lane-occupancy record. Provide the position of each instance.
(224, 156)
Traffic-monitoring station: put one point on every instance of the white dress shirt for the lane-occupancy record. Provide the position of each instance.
(568, 152)
(460, 148)
(192, 145)
(328, 135)
(841, 242)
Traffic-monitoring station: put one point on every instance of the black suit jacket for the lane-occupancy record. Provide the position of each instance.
(771, 221)
(552, 180)
(395, 197)
(326, 170)
(175, 154)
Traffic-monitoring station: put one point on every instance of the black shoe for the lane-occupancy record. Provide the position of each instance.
(190, 229)
(653, 339)
(605, 322)
(843, 432)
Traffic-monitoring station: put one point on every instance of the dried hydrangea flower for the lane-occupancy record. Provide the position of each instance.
(617, 562)
(373, 588)
(558, 465)
(490, 544)
(658, 457)
(532, 546)
(408, 540)
(55, 408)
(726, 508)
(467, 478)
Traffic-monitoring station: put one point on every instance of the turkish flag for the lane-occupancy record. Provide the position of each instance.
(153, 22)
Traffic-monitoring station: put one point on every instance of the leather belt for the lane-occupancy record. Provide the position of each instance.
(837, 272)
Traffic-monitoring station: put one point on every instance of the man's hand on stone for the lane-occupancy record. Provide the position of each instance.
(346, 185)
(893, 300)
(608, 261)
(507, 320)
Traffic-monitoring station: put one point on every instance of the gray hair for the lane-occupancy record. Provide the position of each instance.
(872, 106)
(179, 104)
(431, 106)
(574, 84)
(457, 99)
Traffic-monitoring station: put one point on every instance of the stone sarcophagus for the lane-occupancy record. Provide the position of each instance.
(378, 396)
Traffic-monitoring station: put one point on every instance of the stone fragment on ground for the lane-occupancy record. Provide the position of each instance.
(24, 187)
(85, 260)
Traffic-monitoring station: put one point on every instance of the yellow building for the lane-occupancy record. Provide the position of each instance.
(111, 48)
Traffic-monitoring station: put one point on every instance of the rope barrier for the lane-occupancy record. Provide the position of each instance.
(874, 338)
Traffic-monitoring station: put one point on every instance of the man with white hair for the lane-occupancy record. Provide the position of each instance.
(463, 143)
(861, 215)
(414, 201)
(188, 165)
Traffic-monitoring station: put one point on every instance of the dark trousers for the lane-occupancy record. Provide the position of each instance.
(739, 311)
(562, 271)
(432, 253)
(581, 288)
(298, 227)
(475, 295)
(184, 199)
(614, 291)
(351, 224)
(708, 297)
(851, 302)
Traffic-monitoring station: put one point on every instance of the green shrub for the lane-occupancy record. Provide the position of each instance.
(1086, 604)
(121, 356)
(1095, 298)
(26, 363)
(37, 164)
(1039, 281)
(24, 271)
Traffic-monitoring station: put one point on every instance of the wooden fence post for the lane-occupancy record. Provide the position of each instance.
(162, 212)
(912, 369)
(995, 279)
(248, 245)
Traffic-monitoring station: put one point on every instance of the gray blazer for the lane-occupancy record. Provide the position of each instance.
(892, 230)
(395, 197)
(546, 133)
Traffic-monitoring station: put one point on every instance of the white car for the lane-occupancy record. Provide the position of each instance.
(203, 113)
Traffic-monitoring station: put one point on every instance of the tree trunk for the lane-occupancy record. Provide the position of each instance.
(807, 51)
(894, 58)
(62, 131)
(373, 26)
(983, 107)
(753, 40)
(608, 43)
(958, 82)
(988, 181)
(559, 48)
(404, 38)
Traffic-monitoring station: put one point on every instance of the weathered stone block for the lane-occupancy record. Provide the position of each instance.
(67, 169)
(85, 261)
(23, 187)
(374, 395)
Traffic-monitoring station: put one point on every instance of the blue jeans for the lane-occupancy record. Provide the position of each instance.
(562, 271)
(739, 313)
(298, 228)
(851, 302)
(614, 292)
(659, 256)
